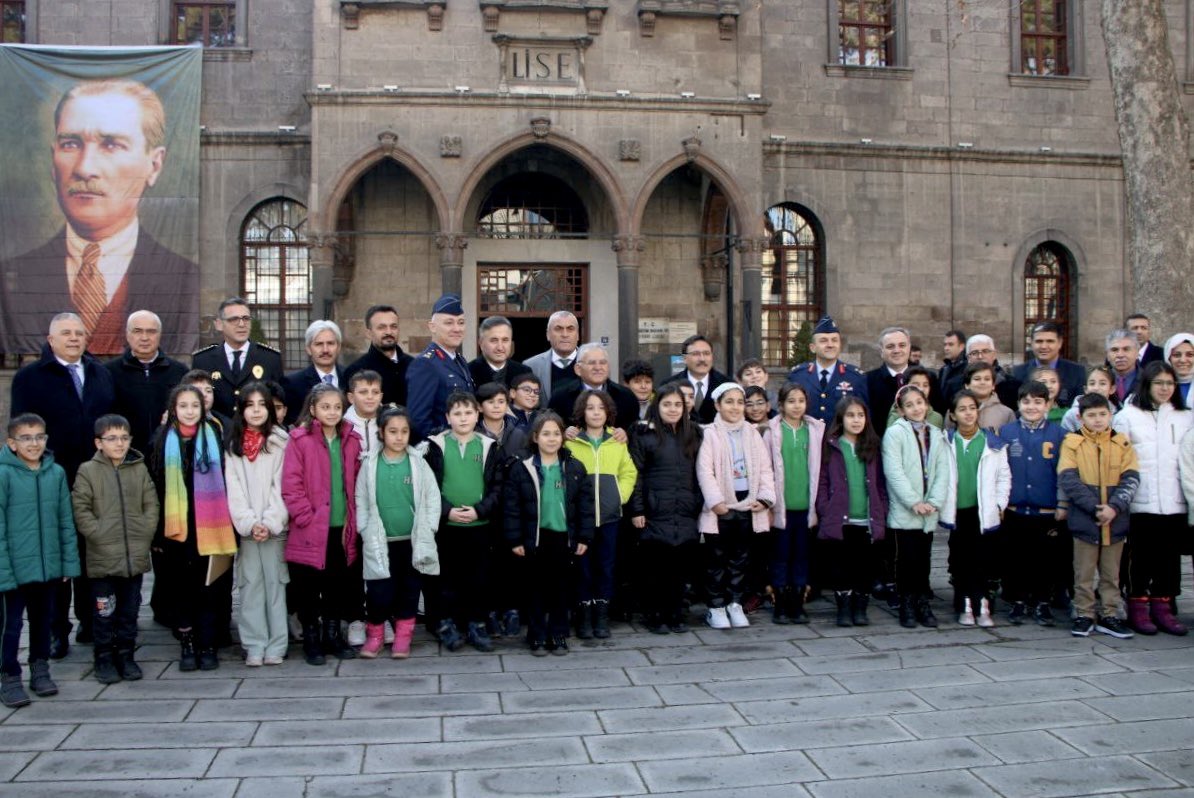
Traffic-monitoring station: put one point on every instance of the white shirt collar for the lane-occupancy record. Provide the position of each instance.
(116, 253)
(244, 353)
(68, 365)
(495, 366)
(895, 373)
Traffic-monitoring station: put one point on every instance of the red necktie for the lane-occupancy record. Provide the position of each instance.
(89, 294)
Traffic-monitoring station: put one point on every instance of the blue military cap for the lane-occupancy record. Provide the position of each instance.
(450, 304)
(825, 325)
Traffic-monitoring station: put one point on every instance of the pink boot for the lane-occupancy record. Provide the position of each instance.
(374, 640)
(1163, 617)
(1138, 616)
(404, 630)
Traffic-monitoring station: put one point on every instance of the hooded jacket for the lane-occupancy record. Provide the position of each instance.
(774, 438)
(522, 499)
(833, 494)
(902, 470)
(37, 532)
(375, 550)
(1156, 436)
(612, 470)
(116, 510)
(307, 491)
(994, 483)
(1098, 468)
(666, 492)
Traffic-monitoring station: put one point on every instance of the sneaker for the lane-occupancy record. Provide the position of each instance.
(1043, 615)
(1082, 626)
(984, 619)
(1018, 614)
(1110, 625)
(356, 633)
(737, 614)
(254, 660)
(538, 648)
(271, 659)
(387, 634)
(966, 616)
(559, 646)
(717, 619)
(295, 627)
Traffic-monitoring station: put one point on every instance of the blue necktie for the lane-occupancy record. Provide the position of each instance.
(327, 379)
(77, 378)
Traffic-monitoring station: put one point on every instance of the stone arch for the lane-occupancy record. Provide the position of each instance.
(230, 250)
(750, 224)
(325, 218)
(1077, 269)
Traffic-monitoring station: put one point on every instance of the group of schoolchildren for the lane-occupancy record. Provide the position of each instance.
(514, 514)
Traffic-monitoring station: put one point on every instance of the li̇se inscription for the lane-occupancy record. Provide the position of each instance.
(527, 64)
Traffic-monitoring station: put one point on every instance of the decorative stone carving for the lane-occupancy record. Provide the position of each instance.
(646, 23)
(435, 16)
(541, 126)
(713, 269)
(751, 246)
(630, 150)
(628, 244)
(593, 19)
(388, 141)
(489, 18)
(451, 146)
(351, 14)
(727, 27)
(692, 148)
(451, 241)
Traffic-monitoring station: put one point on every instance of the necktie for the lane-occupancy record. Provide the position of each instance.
(564, 363)
(89, 294)
(327, 379)
(236, 363)
(76, 377)
(824, 379)
(899, 380)
(699, 396)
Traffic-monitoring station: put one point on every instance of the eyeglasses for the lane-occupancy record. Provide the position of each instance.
(757, 403)
(525, 389)
(42, 438)
(982, 352)
(238, 319)
(117, 438)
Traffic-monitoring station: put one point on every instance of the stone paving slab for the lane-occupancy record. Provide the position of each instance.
(700, 716)
(1003, 693)
(1177, 765)
(1047, 780)
(146, 788)
(578, 781)
(283, 761)
(944, 784)
(867, 759)
(1024, 717)
(1029, 746)
(122, 736)
(811, 734)
(128, 764)
(472, 755)
(729, 772)
(769, 689)
(846, 706)
(357, 730)
(1131, 738)
(497, 727)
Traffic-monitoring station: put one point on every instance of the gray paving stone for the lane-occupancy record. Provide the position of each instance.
(313, 687)
(679, 694)
(579, 781)
(12, 762)
(73, 690)
(1047, 780)
(999, 693)
(648, 745)
(910, 678)
(100, 736)
(849, 663)
(732, 671)
(744, 770)
(183, 763)
(50, 711)
(845, 706)
(152, 690)
(831, 647)
(1050, 668)
(1177, 792)
(948, 784)
(153, 787)
(1158, 706)
(1029, 746)
(266, 709)
(286, 761)
(274, 787)
(668, 718)
(32, 738)
(576, 679)
(771, 791)
(1021, 717)
(1177, 765)
(483, 682)
(763, 649)
(760, 629)
(596, 699)
(878, 759)
(947, 655)
(1153, 660)
(400, 785)
(1138, 683)
(1060, 647)
(1181, 674)
(357, 730)
(523, 662)
(636, 641)
(418, 666)
(809, 734)
(496, 727)
(422, 706)
(1131, 738)
(766, 689)
(485, 754)
(925, 638)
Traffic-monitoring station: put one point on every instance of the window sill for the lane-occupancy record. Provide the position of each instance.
(875, 73)
(227, 54)
(1071, 82)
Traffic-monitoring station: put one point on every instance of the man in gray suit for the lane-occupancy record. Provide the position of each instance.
(554, 367)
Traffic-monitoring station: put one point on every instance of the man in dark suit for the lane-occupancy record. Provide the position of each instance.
(700, 374)
(895, 347)
(108, 150)
(1046, 346)
(592, 371)
(953, 366)
(323, 339)
(385, 356)
(1140, 324)
(495, 339)
(143, 377)
(237, 360)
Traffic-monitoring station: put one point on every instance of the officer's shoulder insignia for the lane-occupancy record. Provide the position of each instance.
(268, 348)
(204, 349)
(427, 353)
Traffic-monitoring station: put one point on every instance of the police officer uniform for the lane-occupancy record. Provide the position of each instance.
(261, 363)
(432, 375)
(826, 390)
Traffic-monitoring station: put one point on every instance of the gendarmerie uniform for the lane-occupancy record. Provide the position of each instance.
(260, 363)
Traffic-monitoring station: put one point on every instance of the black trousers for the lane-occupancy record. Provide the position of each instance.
(36, 598)
(728, 559)
(508, 578)
(662, 578)
(464, 572)
(115, 602)
(396, 596)
(914, 551)
(850, 562)
(549, 591)
(81, 590)
(326, 594)
(1029, 556)
(972, 557)
(200, 606)
(1153, 554)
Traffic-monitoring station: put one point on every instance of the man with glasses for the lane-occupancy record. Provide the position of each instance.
(143, 377)
(237, 360)
(981, 349)
(699, 372)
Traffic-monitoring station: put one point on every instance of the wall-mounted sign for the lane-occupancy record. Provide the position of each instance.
(542, 63)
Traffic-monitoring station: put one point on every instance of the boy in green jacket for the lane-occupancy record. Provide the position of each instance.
(37, 549)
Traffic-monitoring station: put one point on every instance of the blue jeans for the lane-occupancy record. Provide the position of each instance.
(597, 565)
(789, 562)
(38, 599)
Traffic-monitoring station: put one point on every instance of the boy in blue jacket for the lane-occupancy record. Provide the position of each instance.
(1034, 543)
(37, 550)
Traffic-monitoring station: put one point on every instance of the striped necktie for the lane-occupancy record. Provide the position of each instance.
(89, 294)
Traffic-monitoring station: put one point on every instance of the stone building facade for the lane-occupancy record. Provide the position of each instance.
(662, 166)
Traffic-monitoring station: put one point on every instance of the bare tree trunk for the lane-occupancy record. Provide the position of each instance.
(1155, 137)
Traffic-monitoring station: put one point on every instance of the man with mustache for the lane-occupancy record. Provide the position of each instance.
(108, 150)
(385, 356)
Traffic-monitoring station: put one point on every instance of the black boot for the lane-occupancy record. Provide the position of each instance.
(39, 678)
(653, 622)
(907, 618)
(126, 666)
(843, 607)
(312, 647)
(779, 606)
(858, 604)
(584, 620)
(334, 642)
(208, 659)
(924, 613)
(795, 599)
(600, 619)
(105, 666)
(186, 656)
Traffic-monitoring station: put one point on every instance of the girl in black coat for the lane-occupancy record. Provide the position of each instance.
(664, 507)
(549, 517)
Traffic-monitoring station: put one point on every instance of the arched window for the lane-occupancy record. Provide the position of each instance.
(532, 205)
(1048, 289)
(793, 283)
(276, 276)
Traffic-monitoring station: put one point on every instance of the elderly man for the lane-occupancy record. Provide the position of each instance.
(323, 340)
(826, 379)
(592, 371)
(554, 367)
(700, 374)
(70, 389)
(143, 377)
(1122, 350)
(495, 339)
(237, 360)
(1046, 346)
(1142, 327)
(108, 150)
(980, 348)
(385, 356)
(438, 370)
(895, 347)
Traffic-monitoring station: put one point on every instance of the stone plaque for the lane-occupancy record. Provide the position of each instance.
(542, 64)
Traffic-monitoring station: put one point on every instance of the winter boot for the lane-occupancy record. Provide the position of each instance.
(334, 642)
(984, 618)
(924, 613)
(907, 618)
(105, 667)
(843, 607)
(779, 606)
(1163, 617)
(404, 630)
(12, 692)
(209, 660)
(126, 665)
(1138, 616)
(478, 637)
(375, 638)
(795, 599)
(312, 648)
(186, 656)
(600, 619)
(858, 605)
(449, 636)
(653, 623)
(584, 620)
(39, 678)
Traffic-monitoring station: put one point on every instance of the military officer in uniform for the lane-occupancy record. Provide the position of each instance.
(237, 360)
(826, 379)
(438, 370)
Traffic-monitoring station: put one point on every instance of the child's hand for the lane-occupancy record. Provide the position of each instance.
(720, 508)
(757, 506)
(639, 521)
(519, 551)
(571, 433)
(462, 515)
(923, 508)
(1105, 514)
(1060, 513)
(260, 533)
(620, 435)
(581, 548)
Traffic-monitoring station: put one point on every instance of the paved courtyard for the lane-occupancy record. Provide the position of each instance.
(783, 711)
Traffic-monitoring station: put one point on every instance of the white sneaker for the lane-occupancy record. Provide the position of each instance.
(717, 619)
(738, 618)
(296, 627)
(356, 633)
(389, 633)
(966, 618)
(984, 614)
(254, 660)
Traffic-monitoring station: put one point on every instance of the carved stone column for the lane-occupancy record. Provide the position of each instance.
(451, 261)
(628, 250)
(750, 254)
(322, 255)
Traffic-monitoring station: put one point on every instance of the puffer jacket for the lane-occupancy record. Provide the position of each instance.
(612, 470)
(994, 483)
(666, 492)
(1156, 436)
(307, 491)
(255, 488)
(432, 450)
(1186, 466)
(902, 471)
(375, 550)
(521, 502)
(716, 481)
(116, 510)
(1098, 468)
(774, 438)
(833, 495)
(37, 533)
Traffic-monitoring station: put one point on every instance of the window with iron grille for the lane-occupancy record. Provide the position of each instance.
(1047, 292)
(276, 276)
(211, 23)
(532, 290)
(12, 21)
(1044, 39)
(532, 205)
(793, 283)
(865, 28)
